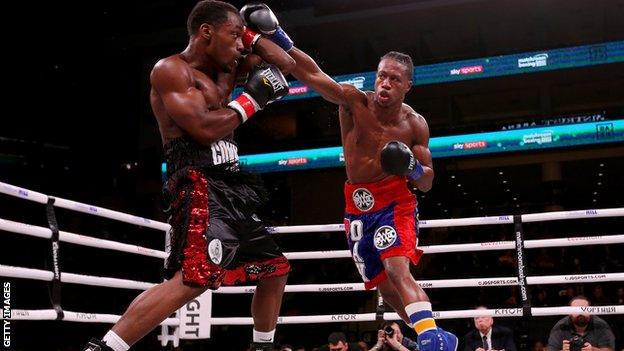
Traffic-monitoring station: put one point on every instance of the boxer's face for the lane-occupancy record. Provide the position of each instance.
(392, 82)
(225, 42)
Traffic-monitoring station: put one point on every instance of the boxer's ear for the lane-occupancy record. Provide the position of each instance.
(206, 31)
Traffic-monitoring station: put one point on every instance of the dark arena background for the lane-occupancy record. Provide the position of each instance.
(524, 101)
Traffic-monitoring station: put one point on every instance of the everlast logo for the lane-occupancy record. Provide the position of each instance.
(190, 318)
(270, 79)
(343, 317)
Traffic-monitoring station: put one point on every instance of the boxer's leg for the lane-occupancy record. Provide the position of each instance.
(145, 312)
(152, 307)
(266, 303)
(391, 296)
(418, 307)
(260, 259)
(398, 272)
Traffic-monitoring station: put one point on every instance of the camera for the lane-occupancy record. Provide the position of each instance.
(576, 342)
(389, 331)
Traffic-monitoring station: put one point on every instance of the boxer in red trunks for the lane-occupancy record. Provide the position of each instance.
(385, 147)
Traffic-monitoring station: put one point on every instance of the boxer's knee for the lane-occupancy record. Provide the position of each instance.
(397, 270)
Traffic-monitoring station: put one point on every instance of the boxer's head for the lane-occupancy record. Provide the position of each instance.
(394, 78)
(580, 320)
(216, 29)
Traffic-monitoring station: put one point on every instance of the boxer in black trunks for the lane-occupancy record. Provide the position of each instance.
(216, 236)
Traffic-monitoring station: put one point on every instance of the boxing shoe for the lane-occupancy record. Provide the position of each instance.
(261, 346)
(96, 345)
(437, 340)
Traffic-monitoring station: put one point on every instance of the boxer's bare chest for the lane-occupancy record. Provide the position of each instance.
(216, 91)
(364, 133)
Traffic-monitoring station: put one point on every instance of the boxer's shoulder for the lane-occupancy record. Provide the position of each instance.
(415, 119)
(353, 95)
(172, 67)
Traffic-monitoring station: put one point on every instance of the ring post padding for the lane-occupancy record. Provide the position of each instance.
(56, 279)
(381, 308)
(523, 330)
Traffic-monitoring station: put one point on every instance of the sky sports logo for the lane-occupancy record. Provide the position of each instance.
(470, 145)
(467, 70)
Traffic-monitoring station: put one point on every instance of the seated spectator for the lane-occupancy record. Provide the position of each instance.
(337, 341)
(390, 337)
(487, 336)
(581, 332)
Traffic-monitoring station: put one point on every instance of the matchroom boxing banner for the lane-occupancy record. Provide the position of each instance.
(486, 67)
(455, 145)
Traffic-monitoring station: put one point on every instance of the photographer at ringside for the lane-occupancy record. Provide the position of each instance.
(390, 337)
(581, 332)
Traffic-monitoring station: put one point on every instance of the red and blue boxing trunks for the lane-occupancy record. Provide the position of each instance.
(380, 222)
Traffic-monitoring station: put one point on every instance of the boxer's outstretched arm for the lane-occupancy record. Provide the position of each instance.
(265, 51)
(187, 105)
(273, 54)
(309, 73)
(422, 153)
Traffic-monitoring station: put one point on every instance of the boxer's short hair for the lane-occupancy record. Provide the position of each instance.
(402, 58)
(208, 11)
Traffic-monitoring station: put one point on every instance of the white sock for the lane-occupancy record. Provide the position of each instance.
(262, 336)
(113, 341)
(420, 316)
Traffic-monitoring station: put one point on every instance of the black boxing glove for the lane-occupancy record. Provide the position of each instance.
(96, 345)
(397, 159)
(265, 84)
(260, 18)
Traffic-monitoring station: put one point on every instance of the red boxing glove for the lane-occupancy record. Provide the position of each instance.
(250, 38)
